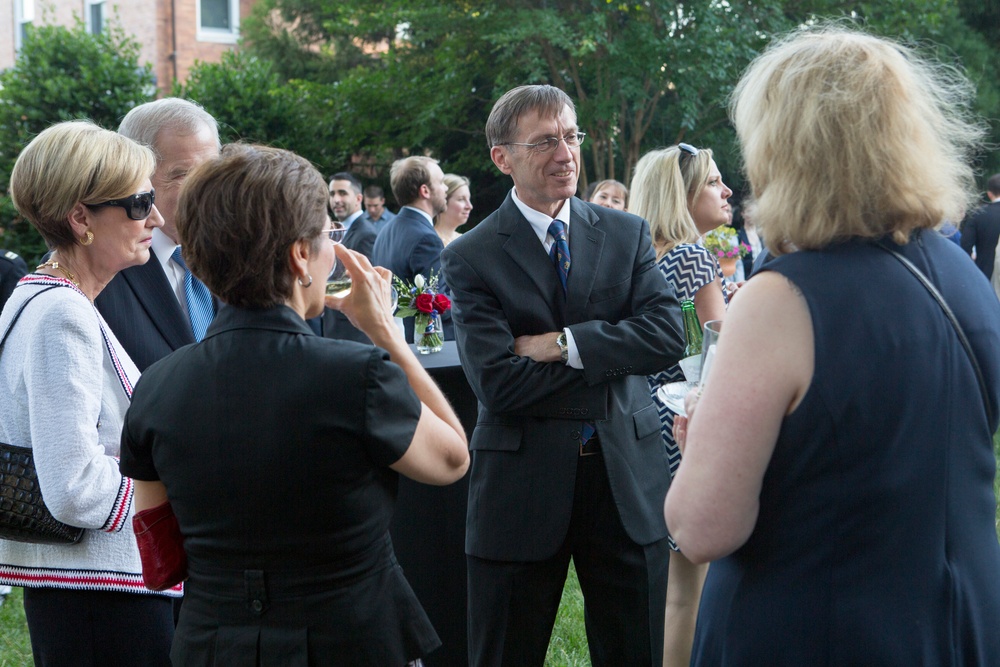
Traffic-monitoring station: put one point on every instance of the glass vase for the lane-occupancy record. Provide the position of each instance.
(428, 332)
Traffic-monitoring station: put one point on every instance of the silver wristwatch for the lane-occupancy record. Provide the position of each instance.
(563, 347)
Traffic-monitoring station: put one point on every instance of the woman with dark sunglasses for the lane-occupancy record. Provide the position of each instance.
(65, 383)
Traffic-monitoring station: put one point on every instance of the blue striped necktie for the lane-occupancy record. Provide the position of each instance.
(559, 252)
(199, 301)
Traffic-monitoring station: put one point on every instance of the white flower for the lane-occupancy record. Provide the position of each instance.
(418, 281)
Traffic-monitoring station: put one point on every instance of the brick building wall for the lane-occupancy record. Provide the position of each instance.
(167, 31)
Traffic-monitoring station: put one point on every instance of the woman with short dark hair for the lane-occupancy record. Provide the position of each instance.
(279, 451)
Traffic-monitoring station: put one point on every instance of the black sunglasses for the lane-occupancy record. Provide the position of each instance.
(137, 206)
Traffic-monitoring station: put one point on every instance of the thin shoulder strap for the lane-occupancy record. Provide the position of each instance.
(123, 378)
(954, 323)
(18, 314)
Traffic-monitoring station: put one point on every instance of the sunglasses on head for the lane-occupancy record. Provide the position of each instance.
(687, 150)
(137, 206)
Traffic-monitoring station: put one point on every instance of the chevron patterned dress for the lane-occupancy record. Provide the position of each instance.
(687, 267)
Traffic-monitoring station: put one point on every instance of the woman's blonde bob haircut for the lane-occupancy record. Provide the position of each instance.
(849, 135)
(665, 184)
(71, 163)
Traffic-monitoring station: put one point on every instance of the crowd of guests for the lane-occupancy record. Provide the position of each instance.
(826, 497)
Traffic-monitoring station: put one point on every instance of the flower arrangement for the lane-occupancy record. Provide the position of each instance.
(424, 304)
(725, 244)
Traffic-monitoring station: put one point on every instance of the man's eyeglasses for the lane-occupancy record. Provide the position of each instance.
(549, 144)
(688, 150)
(137, 206)
(336, 234)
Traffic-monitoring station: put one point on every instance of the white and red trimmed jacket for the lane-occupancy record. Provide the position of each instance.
(65, 384)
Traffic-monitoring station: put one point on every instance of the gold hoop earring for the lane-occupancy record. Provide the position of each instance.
(88, 238)
(309, 284)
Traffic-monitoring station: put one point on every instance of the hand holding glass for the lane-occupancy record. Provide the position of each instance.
(338, 283)
(710, 340)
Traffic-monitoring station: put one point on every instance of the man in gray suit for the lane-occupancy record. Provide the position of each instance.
(147, 305)
(560, 313)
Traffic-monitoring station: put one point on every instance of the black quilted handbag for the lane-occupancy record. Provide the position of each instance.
(23, 514)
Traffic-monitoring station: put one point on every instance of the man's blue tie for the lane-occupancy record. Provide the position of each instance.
(559, 252)
(199, 301)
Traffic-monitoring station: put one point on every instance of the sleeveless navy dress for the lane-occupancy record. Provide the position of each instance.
(876, 542)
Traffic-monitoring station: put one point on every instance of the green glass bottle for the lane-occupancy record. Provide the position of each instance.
(692, 328)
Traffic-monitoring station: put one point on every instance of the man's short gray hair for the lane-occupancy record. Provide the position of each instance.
(548, 101)
(144, 122)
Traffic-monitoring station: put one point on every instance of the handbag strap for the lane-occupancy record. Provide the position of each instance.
(20, 309)
(38, 279)
(925, 281)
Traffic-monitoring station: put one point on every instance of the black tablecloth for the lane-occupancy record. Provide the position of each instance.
(428, 529)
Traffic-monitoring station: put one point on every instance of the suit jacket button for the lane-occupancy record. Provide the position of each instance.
(575, 435)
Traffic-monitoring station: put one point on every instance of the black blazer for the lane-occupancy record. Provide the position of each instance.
(626, 322)
(361, 236)
(981, 231)
(141, 308)
(12, 269)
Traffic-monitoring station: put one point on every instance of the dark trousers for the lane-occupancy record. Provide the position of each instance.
(98, 628)
(513, 605)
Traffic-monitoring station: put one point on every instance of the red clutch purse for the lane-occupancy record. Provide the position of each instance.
(161, 547)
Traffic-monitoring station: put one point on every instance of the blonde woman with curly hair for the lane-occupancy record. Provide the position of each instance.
(680, 192)
(838, 468)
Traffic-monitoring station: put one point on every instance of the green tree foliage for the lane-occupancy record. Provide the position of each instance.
(421, 77)
(959, 33)
(62, 74)
(642, 73)
(247, 97)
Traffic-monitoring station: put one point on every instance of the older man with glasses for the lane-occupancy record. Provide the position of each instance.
(159, 306)
(559, 312)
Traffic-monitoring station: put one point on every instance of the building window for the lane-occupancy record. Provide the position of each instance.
(95, 16)
(218, 20)
(24, 14)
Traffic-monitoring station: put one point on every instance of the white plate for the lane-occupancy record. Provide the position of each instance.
(672, 394)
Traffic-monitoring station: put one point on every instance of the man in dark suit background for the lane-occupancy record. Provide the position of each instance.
(146, 305)
(345, 202)
(981, 229)
(567, 458)
(12, 269)
(409, 245)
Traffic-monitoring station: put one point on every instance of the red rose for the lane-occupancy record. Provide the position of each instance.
(441, 303)
(424, 303)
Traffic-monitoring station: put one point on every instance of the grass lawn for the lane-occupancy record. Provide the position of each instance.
(568, 647)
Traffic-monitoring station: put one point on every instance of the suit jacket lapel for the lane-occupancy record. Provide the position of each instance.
(152, 290)
(528, 253)
(586, 244)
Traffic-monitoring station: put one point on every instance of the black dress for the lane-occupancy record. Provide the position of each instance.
(273, 444)
(875, 543)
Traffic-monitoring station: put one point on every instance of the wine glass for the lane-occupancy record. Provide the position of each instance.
(709, 341)
(338, 283)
